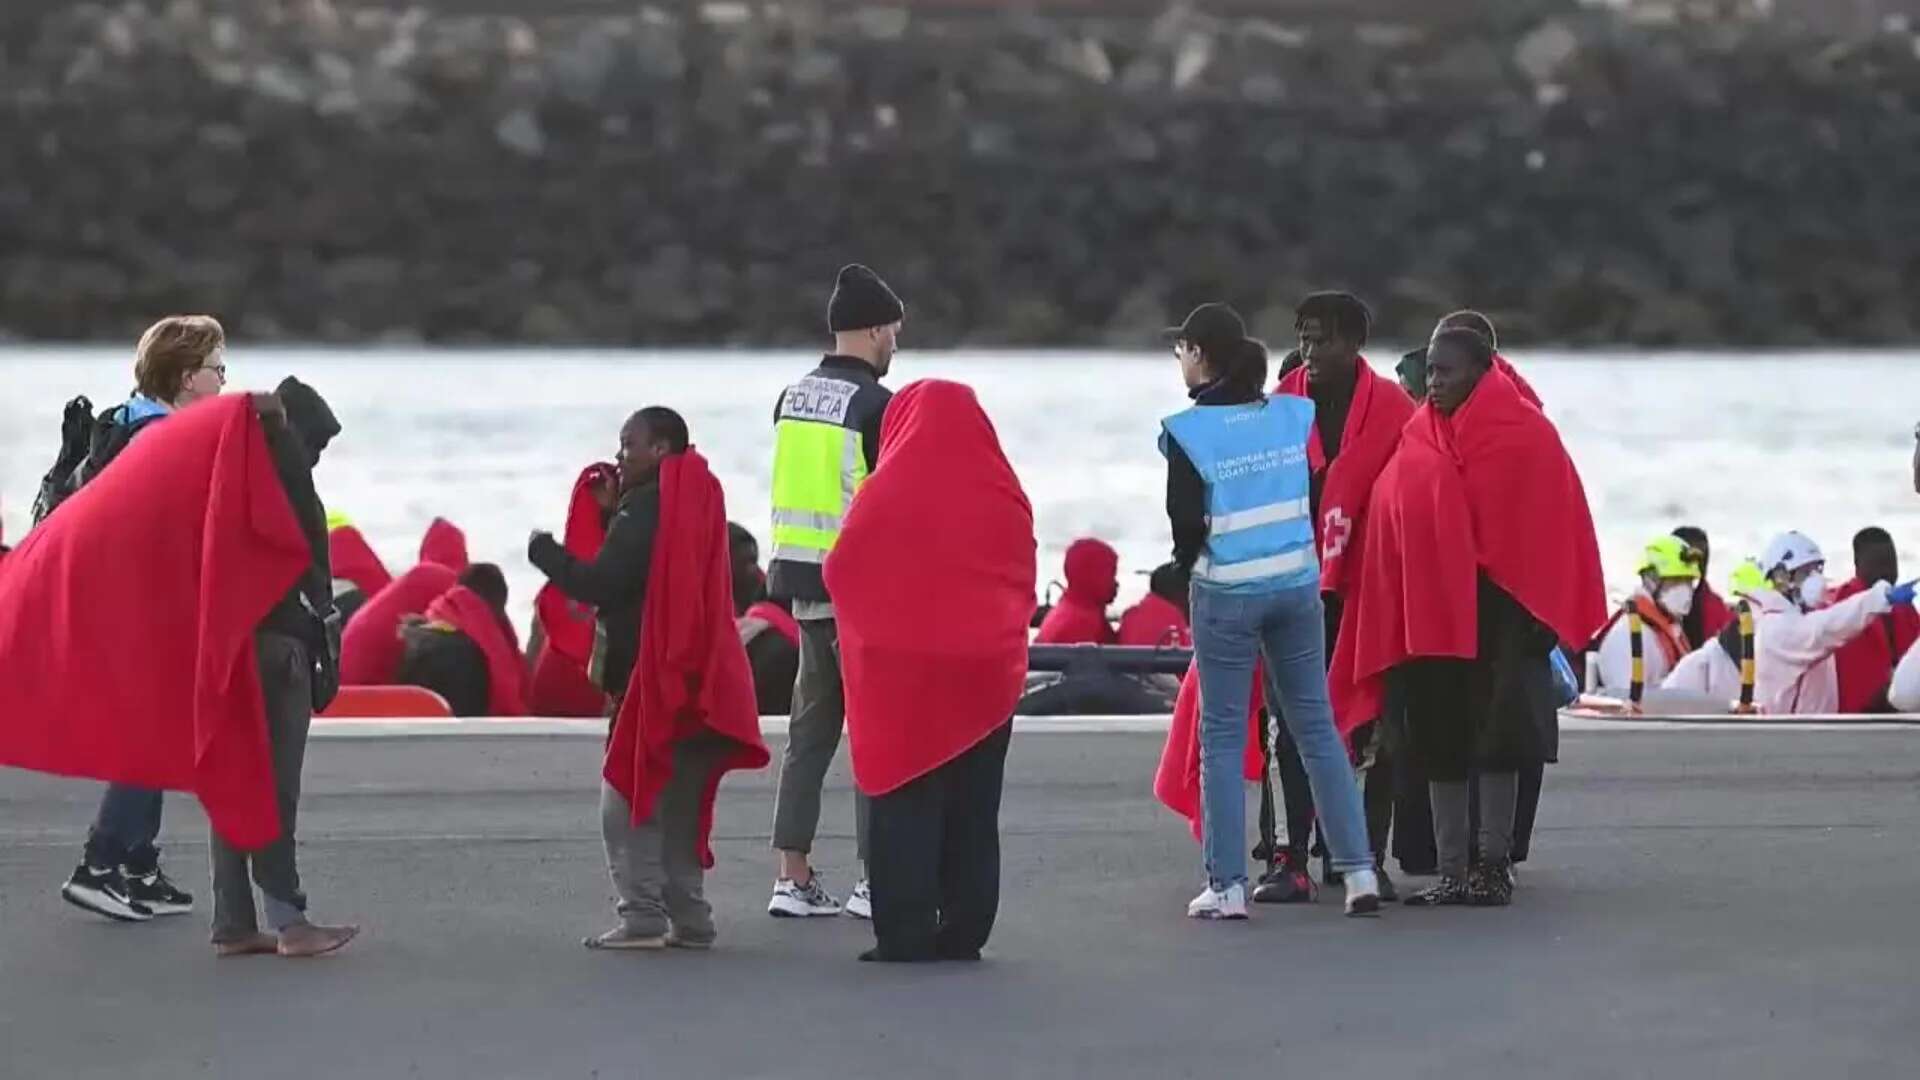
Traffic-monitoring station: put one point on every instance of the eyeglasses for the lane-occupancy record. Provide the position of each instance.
(217, 369)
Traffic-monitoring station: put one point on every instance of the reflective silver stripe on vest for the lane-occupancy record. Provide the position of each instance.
(806, 519)
(852, 458)
(1270, 514)
(788, 553)
(1253, 570)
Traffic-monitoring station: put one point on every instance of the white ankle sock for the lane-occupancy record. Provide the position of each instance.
(1361, 883)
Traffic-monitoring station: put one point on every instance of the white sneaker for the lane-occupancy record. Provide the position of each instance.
(860, 903)
(1363, 892)
(792, 901)
(1230, 903)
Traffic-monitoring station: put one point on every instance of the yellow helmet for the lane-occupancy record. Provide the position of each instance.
(1747, 579)
(1671, 557)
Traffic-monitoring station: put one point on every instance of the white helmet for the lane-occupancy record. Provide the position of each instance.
(1789, 552)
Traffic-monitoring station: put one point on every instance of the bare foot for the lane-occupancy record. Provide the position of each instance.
(254, 944)
(307, 939)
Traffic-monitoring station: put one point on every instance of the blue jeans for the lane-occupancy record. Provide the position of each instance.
(124, 830)
(1286, 627)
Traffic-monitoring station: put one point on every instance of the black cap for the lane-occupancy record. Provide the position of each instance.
(1210, 326)
(861, 301)
(308, 414)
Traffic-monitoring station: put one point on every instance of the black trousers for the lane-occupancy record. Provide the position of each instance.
(934, 857)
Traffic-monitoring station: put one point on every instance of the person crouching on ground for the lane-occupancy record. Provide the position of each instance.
(685, 715)
(1237, 496)
(930, 702)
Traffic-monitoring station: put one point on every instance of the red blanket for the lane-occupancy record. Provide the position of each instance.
(445, 544)
(943, 506)
(127, 620)
(466, 611)
(567, 623)
(370, 647)
(777, 620)
(1519, 383)
(1372, 431)
(692, 673)
(1080, 618)
(1865, 664)
(1176, 783)
(1490, 488)
(352, 559)
(1155, 621)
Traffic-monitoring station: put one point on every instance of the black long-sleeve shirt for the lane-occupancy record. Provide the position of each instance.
(1186, 492)
(615, 582)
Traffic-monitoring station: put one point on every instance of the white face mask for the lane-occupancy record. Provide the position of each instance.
(1813, 590)
(1676, 600)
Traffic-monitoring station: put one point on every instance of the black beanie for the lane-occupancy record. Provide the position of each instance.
(861, 301)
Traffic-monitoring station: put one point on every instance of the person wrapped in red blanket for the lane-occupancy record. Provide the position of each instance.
(214, 679)
(686, 715)
(464, 648)
(1865, 664)
(371, 648)
(353, 560)
(929, 702)
(1481, 560)
(561, 644)
(1093, 580)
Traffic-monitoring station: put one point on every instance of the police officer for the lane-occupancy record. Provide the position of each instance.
(826, 442)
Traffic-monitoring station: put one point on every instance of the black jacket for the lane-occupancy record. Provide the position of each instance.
(447, 662)
(615, 582)
(1186, 492)
(303, 612)
(864, 411)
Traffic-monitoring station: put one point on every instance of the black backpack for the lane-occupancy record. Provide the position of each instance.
(88, 443)
(76, 441)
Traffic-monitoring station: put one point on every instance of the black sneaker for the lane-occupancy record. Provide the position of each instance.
(103, 891)
(1447, 892)
(156, 893)
(1490, 885)
(1286, 883)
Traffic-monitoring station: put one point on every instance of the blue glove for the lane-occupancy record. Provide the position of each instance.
(1567, 687)
(1903, 594)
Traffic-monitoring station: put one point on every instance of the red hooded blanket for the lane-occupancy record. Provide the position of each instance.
(692, 672)
(1155, 621)
(127, 620)
(777, 620)
(1176, 783)
(1080, 618)
(1379, 410)
(1519, 382)
(560, 686)
(370, 647)
(943, 505)
(445, 544)
(352, 559)
(1490, 488)
(1865, 664)
(466, 611)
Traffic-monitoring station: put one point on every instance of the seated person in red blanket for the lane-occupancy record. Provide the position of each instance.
(767, 629)
(684, 711)
(454, 649)
(1093, 580)
(1160, 618)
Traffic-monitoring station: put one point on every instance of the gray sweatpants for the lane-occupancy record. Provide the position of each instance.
(286, 681)
(813, 737)
(656, 866)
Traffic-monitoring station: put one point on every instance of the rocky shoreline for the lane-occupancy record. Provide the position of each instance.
(1624, 172)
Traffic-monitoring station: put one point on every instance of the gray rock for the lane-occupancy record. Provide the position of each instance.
(882, 23)
(1542, 53)
(520, 132)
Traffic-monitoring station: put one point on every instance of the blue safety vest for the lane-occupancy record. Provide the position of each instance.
(1253, 459)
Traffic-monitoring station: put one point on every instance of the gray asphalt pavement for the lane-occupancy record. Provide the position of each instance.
(1710, 904)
